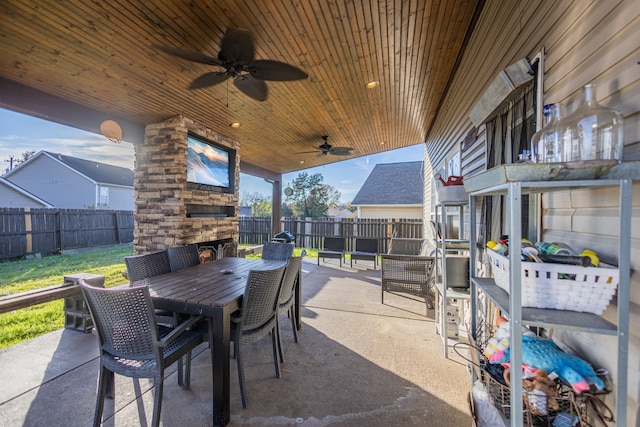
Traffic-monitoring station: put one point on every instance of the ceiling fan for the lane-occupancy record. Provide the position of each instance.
(325, 149)
(236, 56)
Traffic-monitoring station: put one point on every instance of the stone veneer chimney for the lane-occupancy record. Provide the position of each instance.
(161, 194)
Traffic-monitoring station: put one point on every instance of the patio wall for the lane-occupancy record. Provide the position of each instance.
(585, 42)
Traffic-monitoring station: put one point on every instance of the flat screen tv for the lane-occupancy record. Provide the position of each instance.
(210, 167)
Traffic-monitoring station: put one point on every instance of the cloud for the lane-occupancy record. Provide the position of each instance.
(96, 148)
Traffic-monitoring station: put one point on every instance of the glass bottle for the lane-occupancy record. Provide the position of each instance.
(595, 131)
(547, 142)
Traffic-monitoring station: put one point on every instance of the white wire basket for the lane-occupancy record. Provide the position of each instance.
(559, 286)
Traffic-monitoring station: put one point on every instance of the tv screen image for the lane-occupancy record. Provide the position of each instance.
(207, 164)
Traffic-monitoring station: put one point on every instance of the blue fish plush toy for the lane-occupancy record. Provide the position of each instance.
(545, 354)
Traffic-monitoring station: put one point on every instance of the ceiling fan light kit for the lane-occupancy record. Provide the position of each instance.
(236, 56)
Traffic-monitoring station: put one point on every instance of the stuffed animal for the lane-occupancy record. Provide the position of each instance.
(500, 340)
(541, 392)
(544, 354)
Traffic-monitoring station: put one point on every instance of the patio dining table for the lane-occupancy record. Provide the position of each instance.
(213, 290)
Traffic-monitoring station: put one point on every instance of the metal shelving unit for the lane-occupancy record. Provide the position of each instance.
(510, 303)
(447, 245)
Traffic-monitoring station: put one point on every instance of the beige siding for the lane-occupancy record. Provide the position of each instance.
(585, 42)
(389, 212)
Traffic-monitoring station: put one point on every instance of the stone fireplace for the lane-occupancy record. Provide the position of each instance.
(166, 212)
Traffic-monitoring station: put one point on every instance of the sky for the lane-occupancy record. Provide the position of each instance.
(20, 133)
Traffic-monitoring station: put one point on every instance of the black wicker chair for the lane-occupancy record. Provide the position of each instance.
(404, 270)
(133, 344)
(287, 297)
(333, 247)
(141, 267)
(183, 256)
(277, 251)
(405, 246)
(257, 317)
(366, 250)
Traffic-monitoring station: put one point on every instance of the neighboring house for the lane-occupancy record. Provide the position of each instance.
(392, 190)
(340, 213)
(71, 183)
(12, 196)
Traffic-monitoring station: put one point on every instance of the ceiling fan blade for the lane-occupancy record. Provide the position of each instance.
(208, 79)
(237, 47)
(266, 69)
(308, 152)
(341, 151)
(189, 56)
(253, 88)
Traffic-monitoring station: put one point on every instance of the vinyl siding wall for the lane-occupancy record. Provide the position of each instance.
(585, 42)
(57, 184)
(405, 212)
(120, 198)
(10, 198)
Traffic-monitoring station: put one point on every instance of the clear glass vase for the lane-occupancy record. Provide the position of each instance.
(547, 143)
(593, 131)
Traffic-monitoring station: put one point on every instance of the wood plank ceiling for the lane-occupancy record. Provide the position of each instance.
(99, 54)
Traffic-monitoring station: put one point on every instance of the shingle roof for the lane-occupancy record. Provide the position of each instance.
(99, 172)
(392, 184)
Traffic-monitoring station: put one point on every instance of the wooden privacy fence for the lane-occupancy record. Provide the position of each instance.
(310, 232)
(27, 230)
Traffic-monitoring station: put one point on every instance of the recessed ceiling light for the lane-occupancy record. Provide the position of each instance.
(372, 84)
(382, 143)
(235, 125)
(301, 162)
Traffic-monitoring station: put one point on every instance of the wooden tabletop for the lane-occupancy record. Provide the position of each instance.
(209, 285)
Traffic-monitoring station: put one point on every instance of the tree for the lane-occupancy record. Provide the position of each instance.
(27, 155)
(260, 204)
(311, 198)
(13, 161)
(287, 212)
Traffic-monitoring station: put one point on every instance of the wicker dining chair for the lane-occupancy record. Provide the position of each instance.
(287, 297)
(257, 317)
(277, 251)
(134, 345)
(181, 257)
(141, 267)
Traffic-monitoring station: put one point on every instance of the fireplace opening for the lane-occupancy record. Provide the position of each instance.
(217, 249)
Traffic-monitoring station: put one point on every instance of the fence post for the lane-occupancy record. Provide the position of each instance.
(117, 230)
(60, 230)
(28, 229)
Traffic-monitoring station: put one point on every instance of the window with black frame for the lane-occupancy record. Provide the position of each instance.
(508, 136)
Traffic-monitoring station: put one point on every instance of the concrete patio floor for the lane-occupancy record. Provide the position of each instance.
(358, 363)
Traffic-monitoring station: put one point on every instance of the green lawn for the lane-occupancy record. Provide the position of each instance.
(25, 275)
